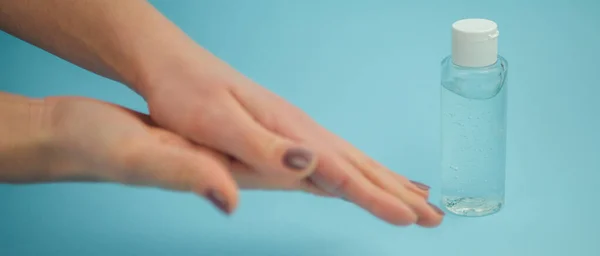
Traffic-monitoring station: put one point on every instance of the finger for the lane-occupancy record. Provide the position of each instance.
(414, 186)
(249, 179)
(428, 216)
(244, 175)
(182, 169)
(355, 186)
(367, 164)
(380, 172)
(311, 188)
(413, 193)
(357, 157)
(238, 134)
(353, 154)
(342, 179)
(246, 178)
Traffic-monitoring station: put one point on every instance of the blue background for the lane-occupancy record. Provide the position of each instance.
(369, 71)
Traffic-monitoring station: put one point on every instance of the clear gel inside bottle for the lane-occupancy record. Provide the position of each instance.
(473, 108)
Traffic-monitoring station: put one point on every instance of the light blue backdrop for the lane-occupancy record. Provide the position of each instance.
(369, 71)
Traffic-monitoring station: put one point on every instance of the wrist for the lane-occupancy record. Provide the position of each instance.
(158, 70)
(189, 64)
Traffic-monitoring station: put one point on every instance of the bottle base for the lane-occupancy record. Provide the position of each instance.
(472, 206)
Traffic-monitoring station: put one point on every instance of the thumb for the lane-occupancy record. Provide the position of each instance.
(241, 136)
(184, 169)
(264, 151)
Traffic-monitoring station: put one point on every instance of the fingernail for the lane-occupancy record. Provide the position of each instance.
(218, 199)
(437, 209)
(297, 158)
(420, 185)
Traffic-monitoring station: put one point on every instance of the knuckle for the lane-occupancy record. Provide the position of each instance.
(342, 185)
(367, 164)
(211, 119)
(269, 119)
(272, 146)
(202, 120)
(260, 143)
(129, 154)
(169, 139)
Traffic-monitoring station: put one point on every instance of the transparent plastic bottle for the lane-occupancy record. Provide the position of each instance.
(473, 109)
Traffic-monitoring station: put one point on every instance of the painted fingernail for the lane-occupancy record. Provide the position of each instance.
(297, 158)
(420, 185)
(218, 199)
(437, 209)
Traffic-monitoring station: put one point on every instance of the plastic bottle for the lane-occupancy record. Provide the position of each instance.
(473, 108)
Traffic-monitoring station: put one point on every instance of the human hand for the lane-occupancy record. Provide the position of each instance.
(90, 140)
(211, 104)
(191, 92)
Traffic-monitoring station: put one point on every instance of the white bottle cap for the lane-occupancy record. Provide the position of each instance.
(474, 42)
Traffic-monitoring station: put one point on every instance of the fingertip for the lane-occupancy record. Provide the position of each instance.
(224, 193)
(226, 204)
(300, 160)
(270, 153)
(297, 158)
(386, 207)
(436, 209)
(419, 188)
(223, 198)
(219, 200)
(420, 185)
(409, 218)
(431, 223)
(214, 182)
(430, 215)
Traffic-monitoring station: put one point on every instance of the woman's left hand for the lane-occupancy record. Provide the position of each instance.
(84, 139)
